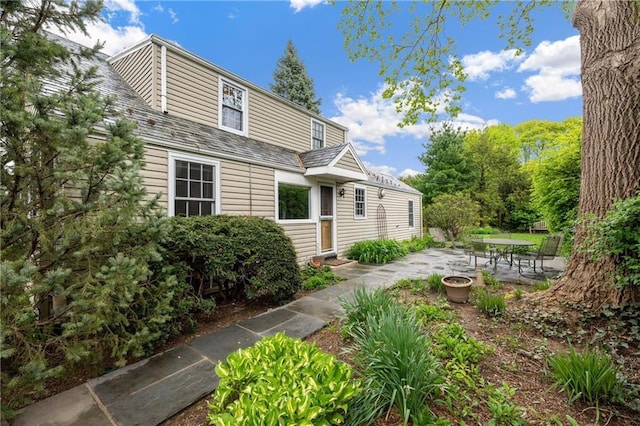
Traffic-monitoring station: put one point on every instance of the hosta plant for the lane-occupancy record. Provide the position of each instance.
(281, 380)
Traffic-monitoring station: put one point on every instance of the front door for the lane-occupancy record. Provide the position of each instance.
(326, 219)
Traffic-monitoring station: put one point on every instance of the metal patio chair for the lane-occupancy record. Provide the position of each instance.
(548, 250)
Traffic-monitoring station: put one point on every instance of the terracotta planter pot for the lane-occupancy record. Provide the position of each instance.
(458, 288)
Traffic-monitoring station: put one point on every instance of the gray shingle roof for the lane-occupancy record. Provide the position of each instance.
(162, 129)
(321, 157)
(179, 133)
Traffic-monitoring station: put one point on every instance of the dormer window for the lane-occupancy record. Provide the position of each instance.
(317, 135)
(233, 108)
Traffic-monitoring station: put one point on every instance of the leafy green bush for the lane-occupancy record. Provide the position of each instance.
(416, 244)
(395, 360)
(617, 234)
(429, 313)
(315, 278)
(238, 255)
(453, 342)
(503, 410)
(434, 282)
(376, 251)
(491, 281)
(589, 375)
(490, 304)
(281, 380)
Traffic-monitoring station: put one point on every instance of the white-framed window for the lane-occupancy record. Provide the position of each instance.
(410, 212)
(233, 107)
(317, 134)
(194, 185)
(359, 202)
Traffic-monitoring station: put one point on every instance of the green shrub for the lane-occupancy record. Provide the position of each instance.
(503, 410)
(416, 244)
(589, 375)
(314, 278)
(490, 304)
(281, 380)
(376, 251)
(434, 282)
(236, 255)
(394, 358)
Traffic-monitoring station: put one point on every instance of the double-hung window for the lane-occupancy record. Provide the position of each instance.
(410, 212)
(233, 107)
(193, 186)
(359, 202)
(317, 135)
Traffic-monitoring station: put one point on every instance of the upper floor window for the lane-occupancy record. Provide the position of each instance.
(233, 107)
(360, 202)
(410, 212)
(317, 135)
(193, 189)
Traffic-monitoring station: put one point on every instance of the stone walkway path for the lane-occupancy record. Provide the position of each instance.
(152, 390)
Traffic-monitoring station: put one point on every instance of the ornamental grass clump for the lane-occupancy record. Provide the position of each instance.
(395, 359)
(434, 282)
(281, 380)
(589, 375)
(490, 304)
(377, 251)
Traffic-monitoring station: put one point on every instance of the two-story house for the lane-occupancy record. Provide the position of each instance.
(219, 144)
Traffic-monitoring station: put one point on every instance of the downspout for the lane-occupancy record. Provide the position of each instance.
(250, 191)
(163, 79)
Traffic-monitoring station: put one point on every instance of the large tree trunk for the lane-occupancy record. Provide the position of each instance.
(610, 48)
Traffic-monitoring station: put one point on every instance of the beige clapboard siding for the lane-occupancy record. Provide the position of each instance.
(395, 203)
(191, 90)
(348, 162)
(246, 189)
(192, 93)
(136, 69)
(277, 123)
(155, 173)
(303, 236)
(334, 135)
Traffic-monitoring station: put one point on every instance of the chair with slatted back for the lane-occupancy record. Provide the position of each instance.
(548, 250)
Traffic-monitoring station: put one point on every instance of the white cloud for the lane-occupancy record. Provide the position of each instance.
(126, 6)
(546, 88)
(115, 38)
(173, 15)
(506, 93)
(408, 172)
(558, 67)
(298, 5)
(234, 14)
(371, 121)
(479, 65)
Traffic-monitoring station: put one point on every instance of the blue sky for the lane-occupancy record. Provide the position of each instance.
(248, 37)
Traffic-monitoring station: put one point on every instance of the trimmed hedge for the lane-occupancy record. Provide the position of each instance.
(239, 256)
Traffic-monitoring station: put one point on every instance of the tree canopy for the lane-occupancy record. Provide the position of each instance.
(424, 76)
(291, 81)
(81, 272)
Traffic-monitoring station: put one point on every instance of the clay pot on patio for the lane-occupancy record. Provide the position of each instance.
(458, 288)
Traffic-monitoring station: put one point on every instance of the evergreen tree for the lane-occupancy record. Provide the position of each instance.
(292, 82)
(78, 241)
(448, 170)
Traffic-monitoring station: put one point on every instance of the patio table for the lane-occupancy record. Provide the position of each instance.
(508, 245)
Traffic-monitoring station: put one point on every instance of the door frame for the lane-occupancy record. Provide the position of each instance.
(334, 230)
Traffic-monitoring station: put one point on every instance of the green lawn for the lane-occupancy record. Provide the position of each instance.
(536, 238)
